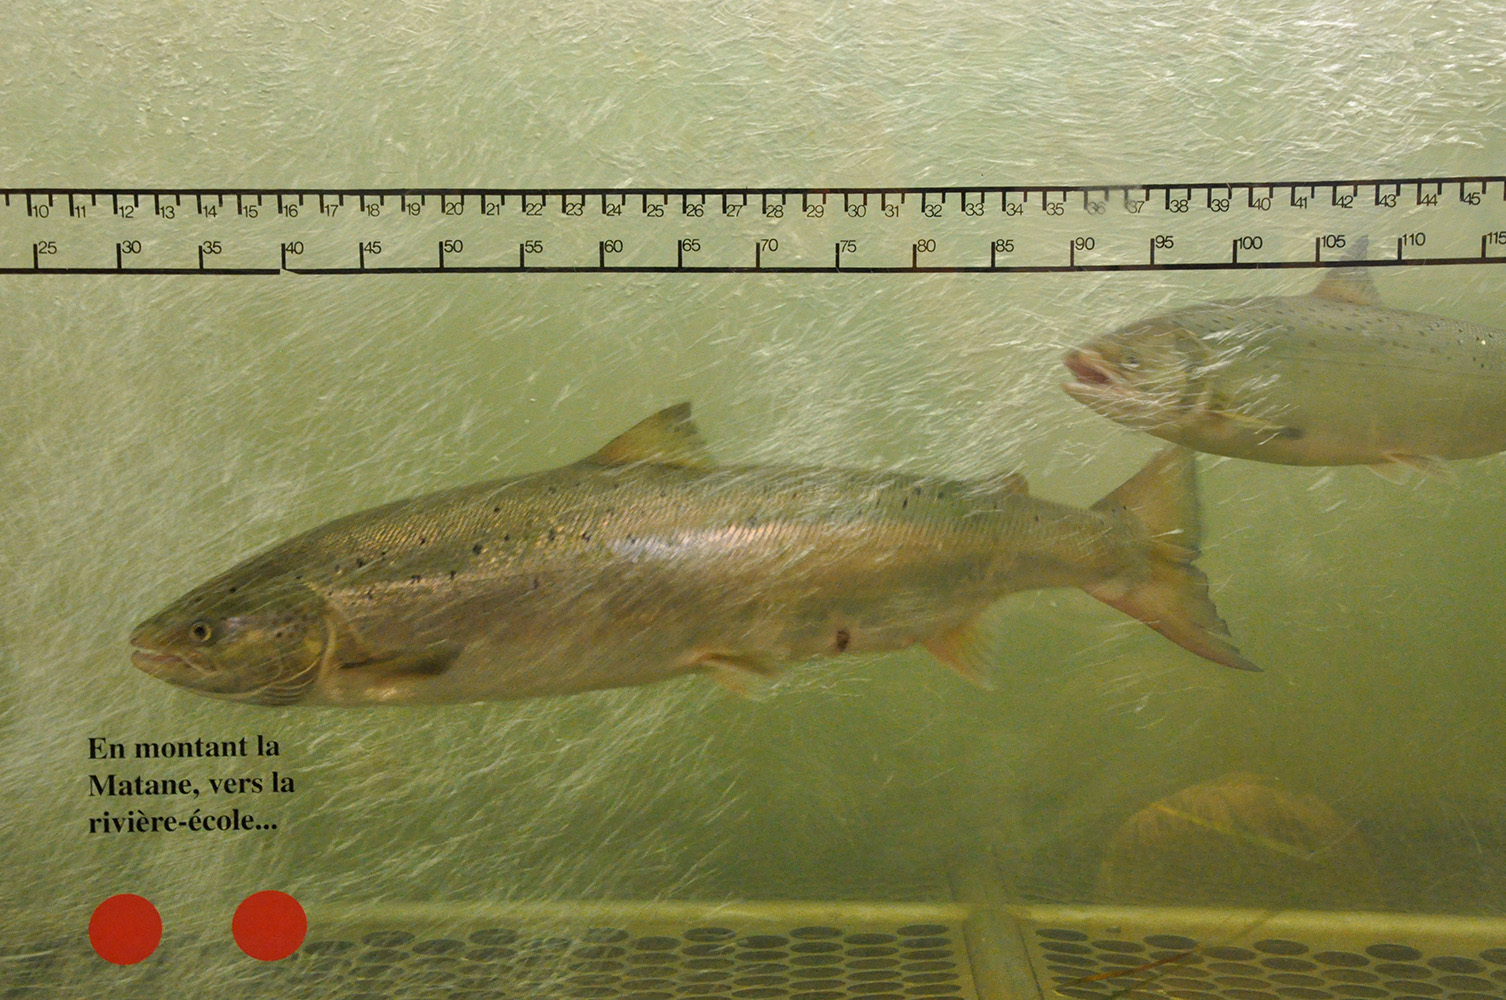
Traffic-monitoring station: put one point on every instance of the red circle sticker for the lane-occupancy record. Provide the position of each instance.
(125, 929)
(269, 925)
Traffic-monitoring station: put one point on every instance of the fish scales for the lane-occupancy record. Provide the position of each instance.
(608, 573)
(652, 562)
(1360, 381)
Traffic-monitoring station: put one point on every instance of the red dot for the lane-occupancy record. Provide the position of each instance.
(269, 925)
(125, 929)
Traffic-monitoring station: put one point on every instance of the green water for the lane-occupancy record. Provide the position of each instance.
(153, 430)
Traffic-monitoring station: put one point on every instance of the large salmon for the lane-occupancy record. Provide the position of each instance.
(647, 560)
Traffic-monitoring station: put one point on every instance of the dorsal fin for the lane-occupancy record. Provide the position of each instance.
(669, 437)
(1351, 285)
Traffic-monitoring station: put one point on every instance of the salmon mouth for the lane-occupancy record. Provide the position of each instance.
(1095, 383)
(1089, 368)
(157, 664)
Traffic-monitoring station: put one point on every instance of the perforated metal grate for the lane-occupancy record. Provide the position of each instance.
(1200, 955)
(796, 951)
(810, 962)
(542, 955)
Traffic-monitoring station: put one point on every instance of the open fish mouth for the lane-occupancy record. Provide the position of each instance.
(1089, 368)
(1095, 380)
(1100, 386)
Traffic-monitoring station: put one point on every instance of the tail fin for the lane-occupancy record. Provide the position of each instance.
(1160, 503)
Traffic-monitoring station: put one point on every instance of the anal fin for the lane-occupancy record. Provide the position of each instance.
(742, 674)
(969, 649)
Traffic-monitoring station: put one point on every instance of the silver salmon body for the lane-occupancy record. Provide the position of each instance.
(646, 561)
(1328, 378)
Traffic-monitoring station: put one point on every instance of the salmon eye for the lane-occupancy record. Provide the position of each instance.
(200, 631)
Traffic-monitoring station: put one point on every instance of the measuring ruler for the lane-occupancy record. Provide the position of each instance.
(749, 230)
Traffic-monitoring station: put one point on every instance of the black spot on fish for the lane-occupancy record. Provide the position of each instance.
(843, 638)
(904, 504)
(360, 562)
(507, 538)
(452, 574)
(234, 589)
(551, 534)
(1291, 433)
(422, 540)
(552, 489)
(585, 536)
(496, 510)
(476, 548)
(535, 583)
(415, 578)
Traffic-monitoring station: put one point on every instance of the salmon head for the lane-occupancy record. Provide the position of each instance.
(237, 639)
(1193, 377)
(1150, 375)
(1201, 377)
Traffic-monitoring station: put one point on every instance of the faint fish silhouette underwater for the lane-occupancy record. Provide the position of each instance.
(1327, 378)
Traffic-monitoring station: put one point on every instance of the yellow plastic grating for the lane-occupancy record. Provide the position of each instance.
(1171, 954)
(549, 952)
(794, 951)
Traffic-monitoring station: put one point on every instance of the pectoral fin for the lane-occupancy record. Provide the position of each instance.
(420, 663)
(342, 646)
(1428, 465)
(1266, 430)
(344, 649)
